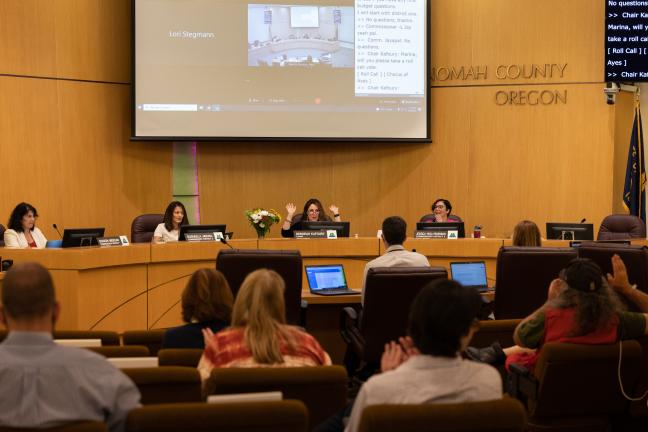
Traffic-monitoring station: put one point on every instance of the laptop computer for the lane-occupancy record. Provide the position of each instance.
(328, 280)
(470, 274)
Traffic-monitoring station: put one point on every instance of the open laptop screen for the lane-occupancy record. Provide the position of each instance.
(469, 273)
(326, 277)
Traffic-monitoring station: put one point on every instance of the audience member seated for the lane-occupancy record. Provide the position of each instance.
(313, 212)
(581, 308)
(394, 233)
(175, 216)
(426, 367)
(259, 335)
(526, 233)
(45, 384)
(206, 303)
(441, 210)
(21, 230)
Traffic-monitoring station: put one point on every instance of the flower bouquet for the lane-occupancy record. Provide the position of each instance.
(261, 220)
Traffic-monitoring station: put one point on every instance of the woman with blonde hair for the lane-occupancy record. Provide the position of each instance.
(206, 303)
(259, 335)
(526, 233)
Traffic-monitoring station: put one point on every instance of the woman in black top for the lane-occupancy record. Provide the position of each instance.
(313, 212)
(206, 302)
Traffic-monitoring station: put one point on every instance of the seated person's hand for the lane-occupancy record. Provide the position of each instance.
(392, 357)
(291, 208)
(556, 287)
(619, 277)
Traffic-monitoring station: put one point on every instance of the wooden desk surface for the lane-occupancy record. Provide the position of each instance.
(195, 251)
(323, 248)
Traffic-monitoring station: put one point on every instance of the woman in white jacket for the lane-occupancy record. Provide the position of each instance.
(22, 231)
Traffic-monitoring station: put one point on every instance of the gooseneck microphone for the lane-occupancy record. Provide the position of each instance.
(583, 221)
(222, 240)
(57, 230)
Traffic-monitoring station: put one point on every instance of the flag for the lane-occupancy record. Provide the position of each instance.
(634, 190)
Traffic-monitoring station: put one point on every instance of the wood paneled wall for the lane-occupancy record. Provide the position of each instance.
(65, 117)
(497, 164)
(64, 127)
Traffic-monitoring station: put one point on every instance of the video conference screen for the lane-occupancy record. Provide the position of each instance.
(218, 69)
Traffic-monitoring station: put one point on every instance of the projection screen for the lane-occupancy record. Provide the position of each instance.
(229, 69)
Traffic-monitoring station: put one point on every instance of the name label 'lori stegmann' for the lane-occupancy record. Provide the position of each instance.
(184, 34)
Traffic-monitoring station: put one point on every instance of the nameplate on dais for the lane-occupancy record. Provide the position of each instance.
(309, 234)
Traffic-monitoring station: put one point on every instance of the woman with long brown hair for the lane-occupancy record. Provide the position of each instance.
(259, 335)
(206, 303)
(526, 233)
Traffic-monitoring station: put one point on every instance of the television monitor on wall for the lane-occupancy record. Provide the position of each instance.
(342, 228)
(77, 237)
(442, 226)
(222, 69)
(570, 231)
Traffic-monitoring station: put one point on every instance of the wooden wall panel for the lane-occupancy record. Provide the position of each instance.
(65, 148)
(74, 39)
(519, 32)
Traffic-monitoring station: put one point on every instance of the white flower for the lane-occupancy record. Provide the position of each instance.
(264, 212)
(262, 225)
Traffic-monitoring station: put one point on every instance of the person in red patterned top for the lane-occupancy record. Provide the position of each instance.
(259, 335)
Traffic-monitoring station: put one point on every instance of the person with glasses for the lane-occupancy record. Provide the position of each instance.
(441, 210)
(313, 212)
(22, 231)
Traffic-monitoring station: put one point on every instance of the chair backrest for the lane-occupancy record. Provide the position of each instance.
(388, 294)
(236, 264)
(82, 426)
(640, 408)
(108, 338)
(621, 226)
(502, 415)
(2, 230)
(523, 276)
(581, 380)
(179, 357)
(635, 258)
(143, 227)
(152, 339)
(167, 384)
(323, 389)
(278, 416)
(495, 331)
(121, 351)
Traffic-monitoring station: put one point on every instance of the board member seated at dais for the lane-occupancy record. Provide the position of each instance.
(313, 212)
(21, 230)
(174, 217)
(441, 210)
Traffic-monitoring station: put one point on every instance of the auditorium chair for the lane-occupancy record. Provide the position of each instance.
(108, 338)
(277, 416)
(621, 226)
(323, 389)
(236, 264)
(152, 339)
(179, 357)
(639, 408)
(167, 384)
(490, 331)
(576, 387)
(121, 351)
(82, 426)
(388, 294)
(523, 276)
(143, 227)
(501, 415)
(2, 230)
(635, 258)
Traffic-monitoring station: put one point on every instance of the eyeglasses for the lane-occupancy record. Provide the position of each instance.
(439, 206)
(313, 211)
